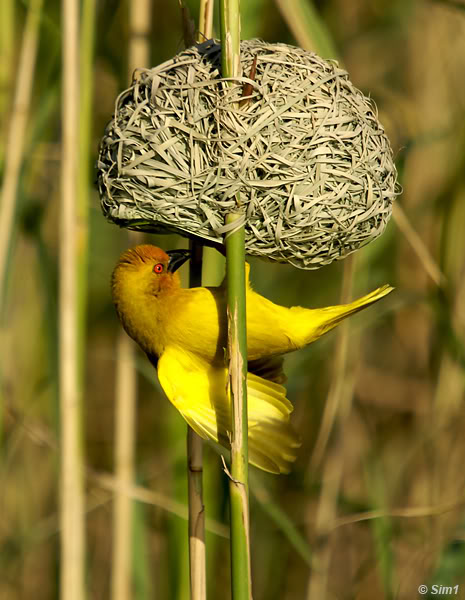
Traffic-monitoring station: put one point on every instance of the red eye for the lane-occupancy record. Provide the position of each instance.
(158, 268)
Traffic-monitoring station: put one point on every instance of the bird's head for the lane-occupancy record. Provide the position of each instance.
(146, 270)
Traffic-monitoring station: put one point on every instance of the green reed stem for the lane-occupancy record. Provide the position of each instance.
(241, 584)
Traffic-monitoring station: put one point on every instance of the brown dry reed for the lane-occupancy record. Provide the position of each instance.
(307, 154)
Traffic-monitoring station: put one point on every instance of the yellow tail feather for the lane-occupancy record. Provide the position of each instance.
(198, 391)
(321, 320)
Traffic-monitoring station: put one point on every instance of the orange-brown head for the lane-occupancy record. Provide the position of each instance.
(154, 268)
(142, 275)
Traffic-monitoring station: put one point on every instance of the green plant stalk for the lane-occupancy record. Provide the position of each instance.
(237, 346)
(230, 38)
(241, 584)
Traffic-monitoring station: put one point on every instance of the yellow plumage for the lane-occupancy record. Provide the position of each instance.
(184, 333)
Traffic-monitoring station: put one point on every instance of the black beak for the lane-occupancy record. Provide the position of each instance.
(177, 259)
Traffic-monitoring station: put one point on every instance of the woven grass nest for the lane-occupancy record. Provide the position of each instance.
(307, 155)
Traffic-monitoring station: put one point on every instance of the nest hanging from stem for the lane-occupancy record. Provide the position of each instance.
(306, 155)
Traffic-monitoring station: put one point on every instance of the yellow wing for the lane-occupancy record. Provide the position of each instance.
(199, 391)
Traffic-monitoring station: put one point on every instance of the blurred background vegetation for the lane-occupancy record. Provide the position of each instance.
(375, 505)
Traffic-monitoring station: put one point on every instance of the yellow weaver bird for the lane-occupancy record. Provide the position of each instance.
(184, 334)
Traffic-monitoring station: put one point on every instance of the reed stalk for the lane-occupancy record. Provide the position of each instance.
(125, 392)
(197, 548)
(205, 31)
(241, 583)
(72, 524)
(196, 519)
(126, 378)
